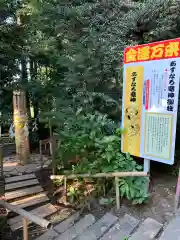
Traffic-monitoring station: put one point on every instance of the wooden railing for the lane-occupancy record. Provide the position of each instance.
(115, 175)
(26, 216)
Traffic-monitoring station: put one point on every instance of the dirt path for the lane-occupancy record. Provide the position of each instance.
(160, 204)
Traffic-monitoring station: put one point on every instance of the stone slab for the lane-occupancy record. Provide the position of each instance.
(148, 230)
(172, 231)
(49, 235)
(122, 229)
(78, 228)
(99, 228)
(69, 222)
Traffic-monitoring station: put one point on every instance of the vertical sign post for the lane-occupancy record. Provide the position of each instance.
(150, 100)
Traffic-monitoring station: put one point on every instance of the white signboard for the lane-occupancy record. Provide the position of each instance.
(150, 100)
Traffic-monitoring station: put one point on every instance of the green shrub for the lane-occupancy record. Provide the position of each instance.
(93, 142)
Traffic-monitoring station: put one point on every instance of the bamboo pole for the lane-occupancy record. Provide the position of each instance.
(117, 193)
(99, 175)
(25, 229)
(28, 216)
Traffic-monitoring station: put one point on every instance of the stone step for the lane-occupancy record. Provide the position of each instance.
(59, 228)
(98, 229)
(69, 222)
(172, 231)
(109, 227)
(122, 229)
(49, 235)
(148, 230)
(78, 228)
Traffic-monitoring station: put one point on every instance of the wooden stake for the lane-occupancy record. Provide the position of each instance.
(53, 156)
(40, 152)
(1, 159)
(176, 200)
(25, 229)
(65, 190)
(51, 136)
(117, 193)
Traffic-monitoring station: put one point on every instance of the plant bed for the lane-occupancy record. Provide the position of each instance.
(91, 144)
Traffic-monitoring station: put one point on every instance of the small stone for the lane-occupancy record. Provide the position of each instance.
(106, 201)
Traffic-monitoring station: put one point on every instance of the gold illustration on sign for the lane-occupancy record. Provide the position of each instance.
(132, 115)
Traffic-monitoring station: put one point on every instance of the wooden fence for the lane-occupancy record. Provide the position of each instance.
(26, 216)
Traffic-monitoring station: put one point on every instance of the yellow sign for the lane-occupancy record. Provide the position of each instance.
(134, 79)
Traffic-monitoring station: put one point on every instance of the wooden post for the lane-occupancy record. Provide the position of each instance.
(176, 200)
(51, 136)
(65, 190)
(147, 170)
(53, 155)
(21, 127)
(40, 152)
(117, 193)
(25, 229)
(1, 159)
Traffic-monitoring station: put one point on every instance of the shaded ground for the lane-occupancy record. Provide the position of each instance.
(11, 166)
(160, 205)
